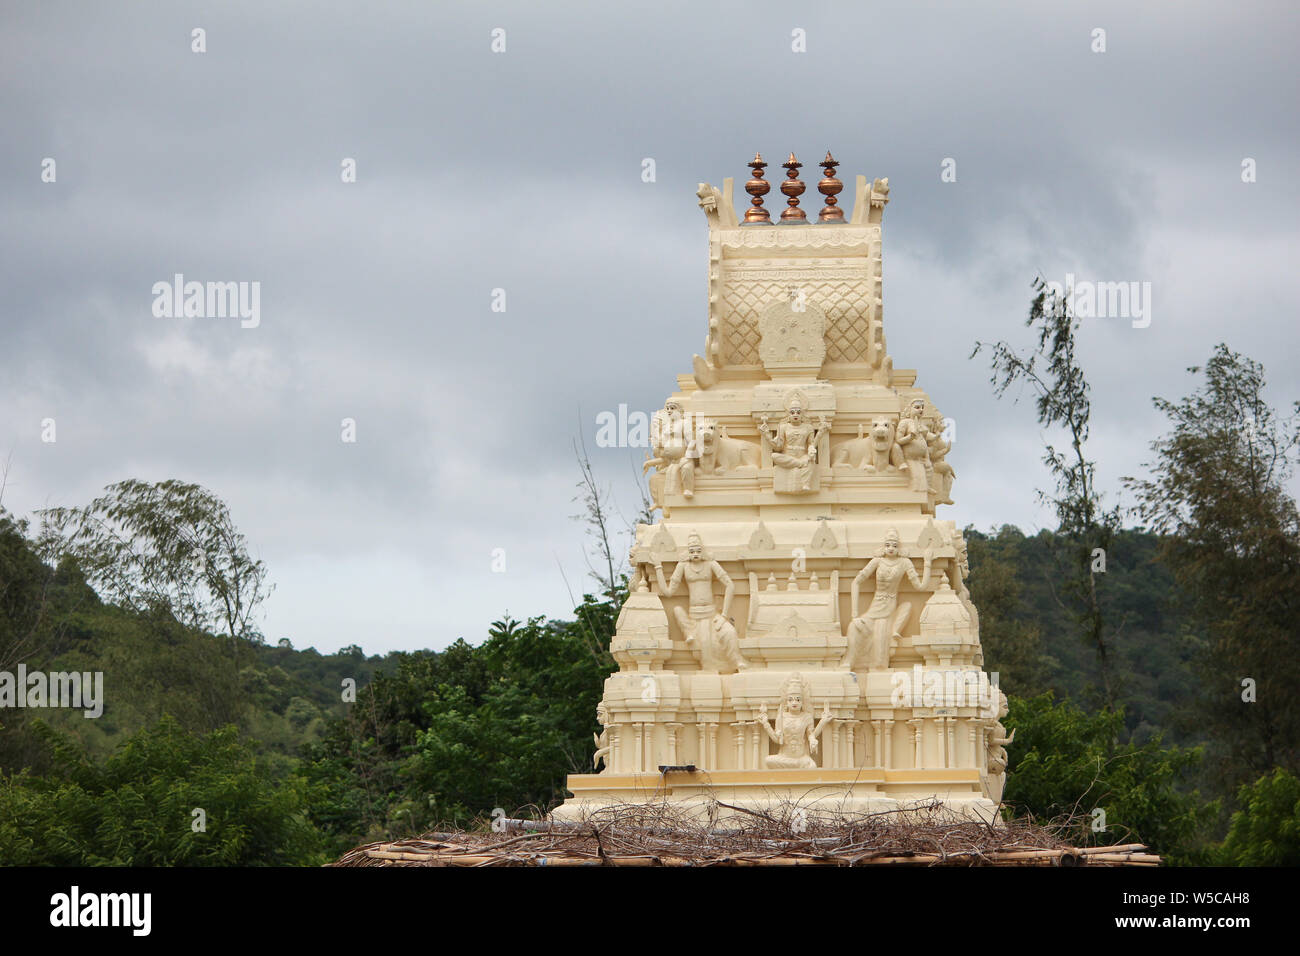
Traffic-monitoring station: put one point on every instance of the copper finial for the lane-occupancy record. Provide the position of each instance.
(757, 187)
(792, 189)
(828, 187)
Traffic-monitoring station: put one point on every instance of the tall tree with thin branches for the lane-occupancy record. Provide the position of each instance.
(1217, 492)
(1084, 523)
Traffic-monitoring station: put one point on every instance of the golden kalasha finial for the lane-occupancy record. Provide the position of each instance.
(829, 187)
(792, 189)
(757, 187)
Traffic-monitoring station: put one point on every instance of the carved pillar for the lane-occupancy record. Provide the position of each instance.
(713, 746)
(972, 735)
(638, 756)
(876, 751)
(832, 757)
(889, 743)
(849, 727)
(616, 761)
(950, 751)
(757, 760)
(738, 740)
(918, 742)
(672, 744)
(702, 739)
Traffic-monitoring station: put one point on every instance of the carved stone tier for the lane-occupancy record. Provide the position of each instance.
(833, 791)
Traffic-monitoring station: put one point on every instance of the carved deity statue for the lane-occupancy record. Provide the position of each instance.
(795, 734)
(963, 592)
(794, 448)
(872, 635)
(943, 475)
(709, 630)
(673, 446)
(995, 742)
(602, 739)
(913, 437)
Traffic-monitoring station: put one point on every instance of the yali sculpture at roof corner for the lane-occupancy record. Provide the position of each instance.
(798, 628)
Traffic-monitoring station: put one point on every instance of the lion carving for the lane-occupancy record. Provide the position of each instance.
(875, 452)
(721, 453)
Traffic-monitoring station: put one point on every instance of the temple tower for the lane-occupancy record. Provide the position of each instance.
(798, 626)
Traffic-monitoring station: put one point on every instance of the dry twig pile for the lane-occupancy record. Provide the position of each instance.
(660, 835)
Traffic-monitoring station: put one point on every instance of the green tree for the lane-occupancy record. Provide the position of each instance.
(1266, 830)
(1084, 523)
(1231, 536)
(1066, 763)
(450, 736)
(168, 545)
(1012, 643)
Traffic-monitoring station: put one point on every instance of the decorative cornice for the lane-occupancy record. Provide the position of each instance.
(800, 237)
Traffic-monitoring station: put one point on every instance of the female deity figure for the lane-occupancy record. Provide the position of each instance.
(795, 733)
(794, 448)
(872, 635)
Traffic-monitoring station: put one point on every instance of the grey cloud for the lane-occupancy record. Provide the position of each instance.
(522, 171)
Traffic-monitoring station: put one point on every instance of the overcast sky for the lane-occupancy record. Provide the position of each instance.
(521, 170)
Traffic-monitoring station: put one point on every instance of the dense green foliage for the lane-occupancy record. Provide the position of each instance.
(1027, 633)
(1070, 763)
(138, 807)
(452, 736)
(1266, 830)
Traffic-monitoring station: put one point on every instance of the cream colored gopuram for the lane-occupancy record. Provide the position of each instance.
(798, 629)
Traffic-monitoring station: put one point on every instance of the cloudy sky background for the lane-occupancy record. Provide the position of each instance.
(522, 171)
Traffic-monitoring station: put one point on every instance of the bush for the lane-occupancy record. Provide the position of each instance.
(1266, 830)
(137, 807)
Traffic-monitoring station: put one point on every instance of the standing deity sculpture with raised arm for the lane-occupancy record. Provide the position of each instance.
(709, 630)
(795, 734)
(871, 635)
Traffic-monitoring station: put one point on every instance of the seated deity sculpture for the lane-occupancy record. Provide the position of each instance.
(672, 445)
(794, 449)
(795, 734)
